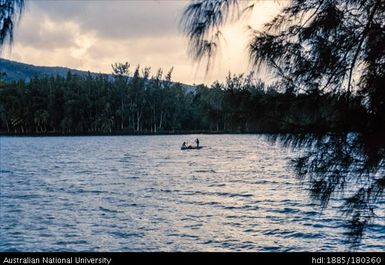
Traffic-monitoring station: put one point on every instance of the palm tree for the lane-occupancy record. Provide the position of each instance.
(10, 11)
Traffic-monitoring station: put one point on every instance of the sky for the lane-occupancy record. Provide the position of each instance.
(91, 35)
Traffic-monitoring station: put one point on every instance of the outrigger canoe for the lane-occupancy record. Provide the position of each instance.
(191, 147)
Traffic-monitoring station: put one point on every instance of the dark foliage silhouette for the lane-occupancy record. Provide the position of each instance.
(10, 10)
(320, 48)
(347, 166)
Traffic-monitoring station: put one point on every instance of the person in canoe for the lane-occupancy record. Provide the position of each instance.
(185, 146)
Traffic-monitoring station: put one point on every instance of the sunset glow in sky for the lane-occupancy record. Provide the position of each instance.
(91, 35)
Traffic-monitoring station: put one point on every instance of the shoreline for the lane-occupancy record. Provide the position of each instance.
(52, 134)
(87, 134)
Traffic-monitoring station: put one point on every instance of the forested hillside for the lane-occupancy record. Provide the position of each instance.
(15, 71)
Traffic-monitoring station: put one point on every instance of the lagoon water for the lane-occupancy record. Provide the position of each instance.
(142, 193)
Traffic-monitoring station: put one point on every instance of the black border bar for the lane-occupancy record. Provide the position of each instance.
(113, 258)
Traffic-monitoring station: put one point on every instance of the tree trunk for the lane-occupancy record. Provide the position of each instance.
(122, 117)
(161, 120)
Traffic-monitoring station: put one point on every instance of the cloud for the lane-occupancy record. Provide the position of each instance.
(47, 33)
(91, 35)
(117, 19)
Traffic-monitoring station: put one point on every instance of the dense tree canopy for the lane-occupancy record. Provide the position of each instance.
(138, 102)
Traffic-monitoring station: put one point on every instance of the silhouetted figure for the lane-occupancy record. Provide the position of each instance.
(197, 141)
(184, 145)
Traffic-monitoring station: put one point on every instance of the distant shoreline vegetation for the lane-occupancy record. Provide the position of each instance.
(52, 134)
(140, 104)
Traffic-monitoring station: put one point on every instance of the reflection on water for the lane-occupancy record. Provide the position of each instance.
(347, 166)
(142, 193)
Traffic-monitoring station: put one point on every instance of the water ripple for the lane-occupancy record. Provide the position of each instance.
(142, 193)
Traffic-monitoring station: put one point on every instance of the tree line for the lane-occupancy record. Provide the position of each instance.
(145, 103)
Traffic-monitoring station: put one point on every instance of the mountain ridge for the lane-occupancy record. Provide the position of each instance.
(15, 71)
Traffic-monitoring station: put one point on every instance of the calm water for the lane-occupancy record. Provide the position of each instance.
(141, 193)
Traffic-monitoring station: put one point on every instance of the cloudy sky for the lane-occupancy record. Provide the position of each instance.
(91, 35)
